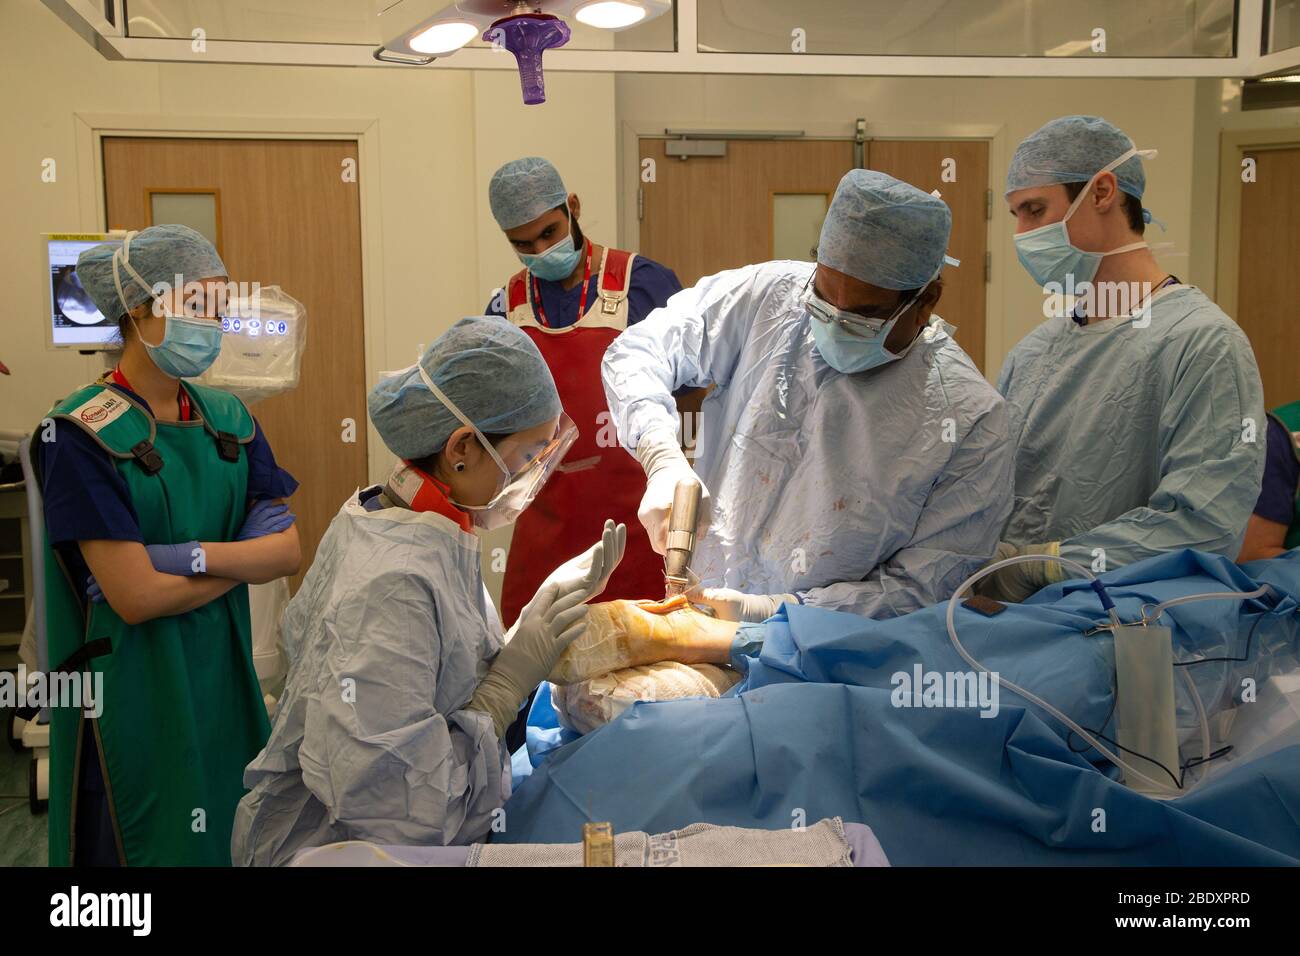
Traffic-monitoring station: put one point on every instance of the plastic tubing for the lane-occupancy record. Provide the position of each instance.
(1187, 678)
(1162, 785)
(1207, 596)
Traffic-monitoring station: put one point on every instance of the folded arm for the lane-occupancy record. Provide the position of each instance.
(138, 593)
(256, 560)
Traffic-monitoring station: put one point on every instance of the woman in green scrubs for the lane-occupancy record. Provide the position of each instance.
(163, 501)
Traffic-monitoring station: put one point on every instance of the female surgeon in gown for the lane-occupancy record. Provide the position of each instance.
(401, 683)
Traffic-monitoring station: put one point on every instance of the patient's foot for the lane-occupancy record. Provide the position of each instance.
(593, 703)
(624, 634)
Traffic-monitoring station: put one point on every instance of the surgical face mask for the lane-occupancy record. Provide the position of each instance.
(1047, 253)
(520, 487)
(853, 343)
(556, 262)
(189, 346)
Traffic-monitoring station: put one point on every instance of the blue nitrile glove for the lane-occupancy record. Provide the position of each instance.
(265, 517)
(175, 559)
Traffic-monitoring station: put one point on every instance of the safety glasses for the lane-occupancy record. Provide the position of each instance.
(852, 323)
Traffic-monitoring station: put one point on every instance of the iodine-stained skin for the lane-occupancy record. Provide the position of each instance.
(622, 634)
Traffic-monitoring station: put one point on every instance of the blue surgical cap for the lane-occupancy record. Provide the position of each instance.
(1073, 149)
(490, 369)
(159, 254)
(885, 232)
(524, 189)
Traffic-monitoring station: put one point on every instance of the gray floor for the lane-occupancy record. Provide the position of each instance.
(22, 835)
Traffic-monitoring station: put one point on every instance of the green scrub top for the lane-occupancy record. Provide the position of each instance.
(181, 711)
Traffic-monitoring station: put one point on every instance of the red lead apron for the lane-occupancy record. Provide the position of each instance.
(593, 483)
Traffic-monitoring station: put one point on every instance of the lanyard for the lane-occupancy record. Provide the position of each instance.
(536, 291)
(182, 398)
(1082, 320)
(1169, 280)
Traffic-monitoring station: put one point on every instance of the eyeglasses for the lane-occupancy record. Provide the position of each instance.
(852, 323)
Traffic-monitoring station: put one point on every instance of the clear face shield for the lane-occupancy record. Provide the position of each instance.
(521, 486)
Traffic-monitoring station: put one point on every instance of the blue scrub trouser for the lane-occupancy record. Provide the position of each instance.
(95, 844)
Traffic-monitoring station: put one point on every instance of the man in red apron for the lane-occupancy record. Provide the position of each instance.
(573, 298)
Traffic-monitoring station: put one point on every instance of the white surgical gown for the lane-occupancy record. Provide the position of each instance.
(388, 636)
(1136, 440)
(875, 493)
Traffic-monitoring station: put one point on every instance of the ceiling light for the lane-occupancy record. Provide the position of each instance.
(444, 37)
(610, 14)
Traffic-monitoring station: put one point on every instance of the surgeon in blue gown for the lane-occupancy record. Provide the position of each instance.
(852, 454)
(1140, 429)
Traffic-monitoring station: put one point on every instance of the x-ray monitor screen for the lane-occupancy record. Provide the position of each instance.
(75, 322)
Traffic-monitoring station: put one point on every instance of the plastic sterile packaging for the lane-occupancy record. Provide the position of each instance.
(261, 350)
(622, 634)
(593, 703)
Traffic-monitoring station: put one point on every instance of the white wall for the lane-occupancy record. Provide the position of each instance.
(1156, 113)
(443, 132)
(441, 135)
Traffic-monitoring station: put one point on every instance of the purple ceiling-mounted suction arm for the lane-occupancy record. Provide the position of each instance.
(528, 36)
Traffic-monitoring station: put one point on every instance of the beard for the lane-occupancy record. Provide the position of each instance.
(578, 237)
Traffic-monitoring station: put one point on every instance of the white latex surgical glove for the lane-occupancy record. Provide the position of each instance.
(665, 465)
(550, 622)
(591, 570)
(1016, 582)
(729, 605)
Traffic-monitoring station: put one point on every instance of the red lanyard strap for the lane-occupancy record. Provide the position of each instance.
(536, 291)
(182, 397)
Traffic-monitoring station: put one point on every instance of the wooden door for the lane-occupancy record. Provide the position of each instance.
(288, 218)
(922, 163)
(1268, 252)
(706, 214)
